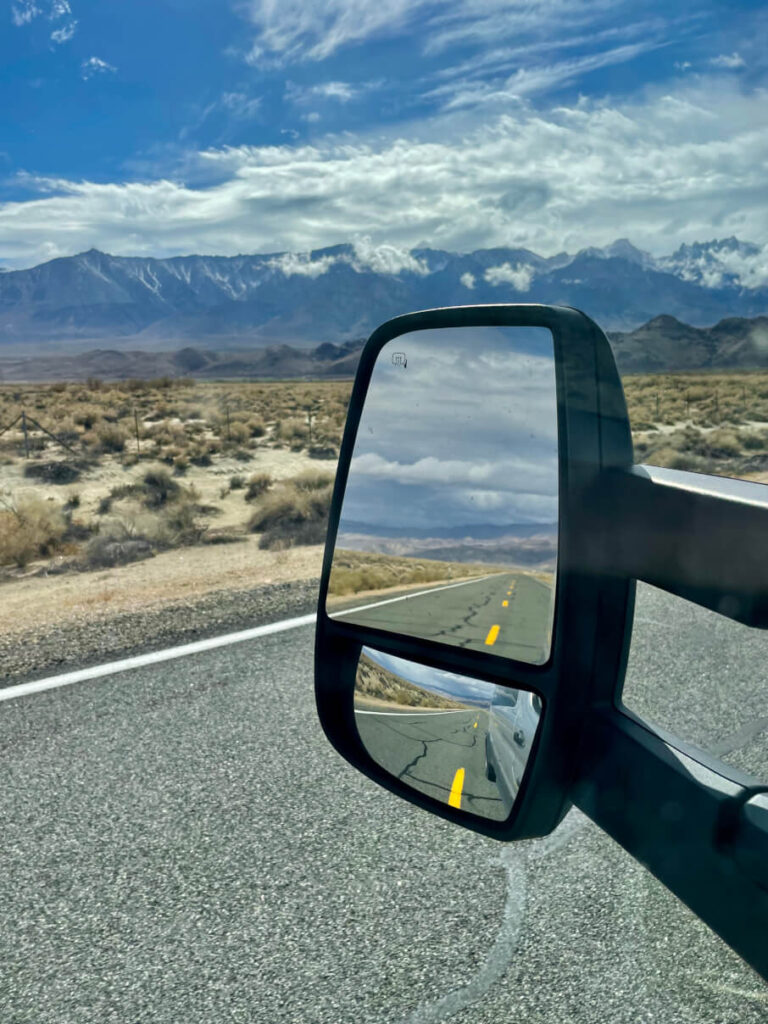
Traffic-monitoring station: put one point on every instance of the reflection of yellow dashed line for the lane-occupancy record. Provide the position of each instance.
(493, 632)
(474, 726)
(454, 800)
(505, 604)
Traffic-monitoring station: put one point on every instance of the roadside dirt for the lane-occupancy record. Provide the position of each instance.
(171, 577)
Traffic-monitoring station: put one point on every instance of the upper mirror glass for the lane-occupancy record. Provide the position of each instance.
(448, 529)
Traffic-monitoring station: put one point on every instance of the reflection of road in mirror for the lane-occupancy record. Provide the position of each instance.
(504, 613)
(448, 529)
(460, 740)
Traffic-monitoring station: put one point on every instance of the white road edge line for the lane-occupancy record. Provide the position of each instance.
(412, 714)
(153, 658)
(171, 653)
(407, 597)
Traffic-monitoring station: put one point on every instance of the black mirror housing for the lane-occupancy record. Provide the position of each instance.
(593, 612)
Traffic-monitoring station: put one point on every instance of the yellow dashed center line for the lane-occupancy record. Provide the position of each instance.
(454, 800)
(493, 632)
(505, 604)
(474, 726)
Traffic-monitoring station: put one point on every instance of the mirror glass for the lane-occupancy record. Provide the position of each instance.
(448, 529)
(460, 740)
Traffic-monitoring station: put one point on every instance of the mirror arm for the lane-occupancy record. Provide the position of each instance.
(700, 537)
(628, 764)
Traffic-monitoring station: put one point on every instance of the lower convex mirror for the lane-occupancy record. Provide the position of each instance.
(460, 740)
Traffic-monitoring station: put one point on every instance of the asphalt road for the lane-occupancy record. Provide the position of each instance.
(440, 753)
(506, 612)
(181, 844)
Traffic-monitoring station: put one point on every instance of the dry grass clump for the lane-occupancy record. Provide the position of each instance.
(724, 449)
(29, 529)
(136, 535)
(313, 480)
(54, 472)
(106, 437)
(258, 484)
(294, 431)
(158, 488)
(291, 515)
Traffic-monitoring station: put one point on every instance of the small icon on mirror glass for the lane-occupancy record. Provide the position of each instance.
(460, 740)
(448, 530)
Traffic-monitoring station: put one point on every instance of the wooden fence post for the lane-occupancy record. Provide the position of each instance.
(24, 431)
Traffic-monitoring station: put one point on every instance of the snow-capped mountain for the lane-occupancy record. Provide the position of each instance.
(342, 292)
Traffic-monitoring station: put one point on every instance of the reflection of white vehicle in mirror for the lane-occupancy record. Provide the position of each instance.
(513, 717)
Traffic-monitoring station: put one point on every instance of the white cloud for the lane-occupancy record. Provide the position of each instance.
(482, 474)
(311, 118)
(301, 264)
(24, 12)
(519, 276)
(731, 61)
(95, 66)
(65, 33)
(386, 259)
(532, 80)
(294, 30)
(468, 280)
(381, 259)
(341, 91)
(668, 168)
(240, 105)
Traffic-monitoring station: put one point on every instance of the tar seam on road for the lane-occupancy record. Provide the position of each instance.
(514, 860)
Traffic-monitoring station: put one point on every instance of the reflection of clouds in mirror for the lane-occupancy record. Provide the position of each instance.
(448, 684)
(462, 439)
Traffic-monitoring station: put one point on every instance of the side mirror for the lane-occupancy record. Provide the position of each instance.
(460, 637)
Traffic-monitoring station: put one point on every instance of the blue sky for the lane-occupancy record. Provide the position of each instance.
(263, 125)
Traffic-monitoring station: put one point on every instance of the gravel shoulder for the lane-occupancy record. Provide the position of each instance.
(53, 624)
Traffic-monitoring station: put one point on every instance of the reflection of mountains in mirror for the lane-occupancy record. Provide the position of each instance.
(377, 687)
(478, 531)
(530, 547)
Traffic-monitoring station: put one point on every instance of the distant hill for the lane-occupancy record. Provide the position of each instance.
(665, 343)
(662, 344)
(271, 362)
(94, 300)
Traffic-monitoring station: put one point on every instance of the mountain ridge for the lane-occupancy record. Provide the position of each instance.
(342, 292)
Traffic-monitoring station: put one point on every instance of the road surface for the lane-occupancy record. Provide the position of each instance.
(440, 753)
(181, 844)
(508, 613)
